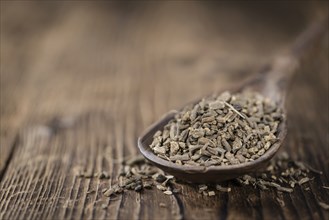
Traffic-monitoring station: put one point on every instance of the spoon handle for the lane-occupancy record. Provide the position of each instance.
(275, 78)
(307, 39)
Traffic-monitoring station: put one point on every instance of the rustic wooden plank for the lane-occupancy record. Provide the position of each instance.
(94, 78)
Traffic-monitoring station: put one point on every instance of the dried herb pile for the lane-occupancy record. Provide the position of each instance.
(220, 130)
(281, 174)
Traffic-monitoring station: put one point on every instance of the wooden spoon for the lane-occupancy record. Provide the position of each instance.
(272, 83)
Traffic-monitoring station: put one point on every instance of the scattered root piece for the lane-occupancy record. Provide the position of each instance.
(323, 205)
(222, 189)
(162, 205)
(168, 192)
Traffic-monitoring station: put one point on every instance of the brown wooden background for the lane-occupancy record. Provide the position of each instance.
(80, 81)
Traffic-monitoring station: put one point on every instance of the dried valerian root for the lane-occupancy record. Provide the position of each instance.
(137, 175)
(282, 174)
(323, 205)
(220, 130)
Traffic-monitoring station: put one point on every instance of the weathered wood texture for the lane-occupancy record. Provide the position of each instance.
(80, 81)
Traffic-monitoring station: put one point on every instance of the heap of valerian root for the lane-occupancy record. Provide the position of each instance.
(220, 130)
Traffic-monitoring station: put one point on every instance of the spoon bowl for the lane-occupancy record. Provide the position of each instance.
(200, 174)
(271, 83)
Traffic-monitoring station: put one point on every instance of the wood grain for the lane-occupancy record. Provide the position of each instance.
(80, 82)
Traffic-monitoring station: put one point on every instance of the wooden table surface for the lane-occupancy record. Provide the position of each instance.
(80, 81)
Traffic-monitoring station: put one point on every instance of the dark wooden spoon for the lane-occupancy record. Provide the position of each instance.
(272, 83)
